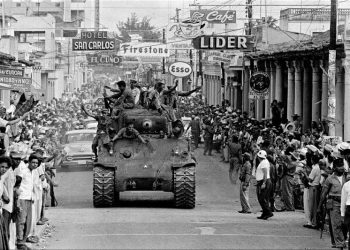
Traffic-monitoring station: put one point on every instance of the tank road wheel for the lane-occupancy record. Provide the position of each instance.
(103, 190)
(185, 187)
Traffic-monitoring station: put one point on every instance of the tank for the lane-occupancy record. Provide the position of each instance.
(162, 164)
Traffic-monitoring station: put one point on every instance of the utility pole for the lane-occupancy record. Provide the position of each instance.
(332, 68)
(177, 20)
(3, 18)
(163, 60)
(97, 15)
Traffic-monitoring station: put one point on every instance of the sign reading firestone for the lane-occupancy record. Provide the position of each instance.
(93, 40)
(215, 16)
(223, 42)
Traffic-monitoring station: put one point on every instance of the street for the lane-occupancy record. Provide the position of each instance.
(213, 224)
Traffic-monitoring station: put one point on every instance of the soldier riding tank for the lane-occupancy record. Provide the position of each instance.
(161, 164)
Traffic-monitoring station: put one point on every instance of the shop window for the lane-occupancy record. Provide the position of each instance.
(18, 4)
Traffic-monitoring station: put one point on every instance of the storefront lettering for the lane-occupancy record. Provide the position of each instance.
(223, 42)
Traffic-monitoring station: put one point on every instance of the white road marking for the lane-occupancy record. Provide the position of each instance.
(192, 234)
(206, 230)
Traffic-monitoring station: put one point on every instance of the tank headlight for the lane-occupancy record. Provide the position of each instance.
(69, 158)
(176, 151)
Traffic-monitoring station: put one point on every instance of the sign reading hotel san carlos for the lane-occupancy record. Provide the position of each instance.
(93, 40)
(215, 16)
(259, 85)
(242, 43)
(180, 69)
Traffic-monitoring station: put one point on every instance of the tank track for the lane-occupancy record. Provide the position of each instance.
(103, 190)
(185, 187)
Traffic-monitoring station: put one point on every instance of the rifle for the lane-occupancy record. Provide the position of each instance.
(321, 218)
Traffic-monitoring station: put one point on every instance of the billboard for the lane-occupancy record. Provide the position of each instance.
(214, 16)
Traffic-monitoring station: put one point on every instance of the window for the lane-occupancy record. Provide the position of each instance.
(58, 4)
(18, 4)
(37, 4)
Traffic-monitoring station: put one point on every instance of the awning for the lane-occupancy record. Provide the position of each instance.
(27, 63)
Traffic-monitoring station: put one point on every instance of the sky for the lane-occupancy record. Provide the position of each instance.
(160, 11)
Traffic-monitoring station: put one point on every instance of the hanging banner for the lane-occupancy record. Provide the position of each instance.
(17, 83)
(259, 85)
(144, 50)
(214, 16)
(98, 59)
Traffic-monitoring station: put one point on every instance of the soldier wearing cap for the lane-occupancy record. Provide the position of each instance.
(331, 194)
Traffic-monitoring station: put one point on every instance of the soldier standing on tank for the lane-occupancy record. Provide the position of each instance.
(104, 123)
(123, 99)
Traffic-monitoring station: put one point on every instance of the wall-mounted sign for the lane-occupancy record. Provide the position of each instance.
(214, 16)
(259, 85)
(180, 69)
(242, 43)
(11, 72)
(189, 28)
(93, 44)
(144, 50)
(94, 35)
(98, 59)
(17, 83)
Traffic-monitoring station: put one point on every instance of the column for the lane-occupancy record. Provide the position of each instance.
(316, 98)
(324, 104)
(339, 97)
(290, 93)
(279, 82)
(246, 90)
(307, 96)
(298, 100)
(346, 64)
(267, 101)
(273, 81)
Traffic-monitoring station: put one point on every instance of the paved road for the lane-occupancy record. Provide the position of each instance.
(213, 224)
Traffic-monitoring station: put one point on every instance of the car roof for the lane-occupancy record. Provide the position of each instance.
(81, 131)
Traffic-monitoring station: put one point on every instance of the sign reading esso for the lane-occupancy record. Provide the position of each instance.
(180, 69)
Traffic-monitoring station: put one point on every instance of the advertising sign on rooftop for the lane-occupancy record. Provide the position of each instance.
(144, 50)
(242, 43)
(215, 16)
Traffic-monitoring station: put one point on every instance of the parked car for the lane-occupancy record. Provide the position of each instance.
(90, 123)
(77, 148)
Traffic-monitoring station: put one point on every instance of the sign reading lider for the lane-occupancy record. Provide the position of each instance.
(144, 50)
(93, 40)
(17, 83)
(241, 43)
(11, 72)
(259, 85)
(180, 69)
(97, 59)
(214, 16)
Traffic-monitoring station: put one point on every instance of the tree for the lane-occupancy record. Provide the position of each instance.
(143, 27)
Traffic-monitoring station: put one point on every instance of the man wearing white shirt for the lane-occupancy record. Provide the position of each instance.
(26, 198)
(264, 185)
(135, 91)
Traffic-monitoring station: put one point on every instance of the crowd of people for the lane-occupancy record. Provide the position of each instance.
(30, 152)
(291, 168)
